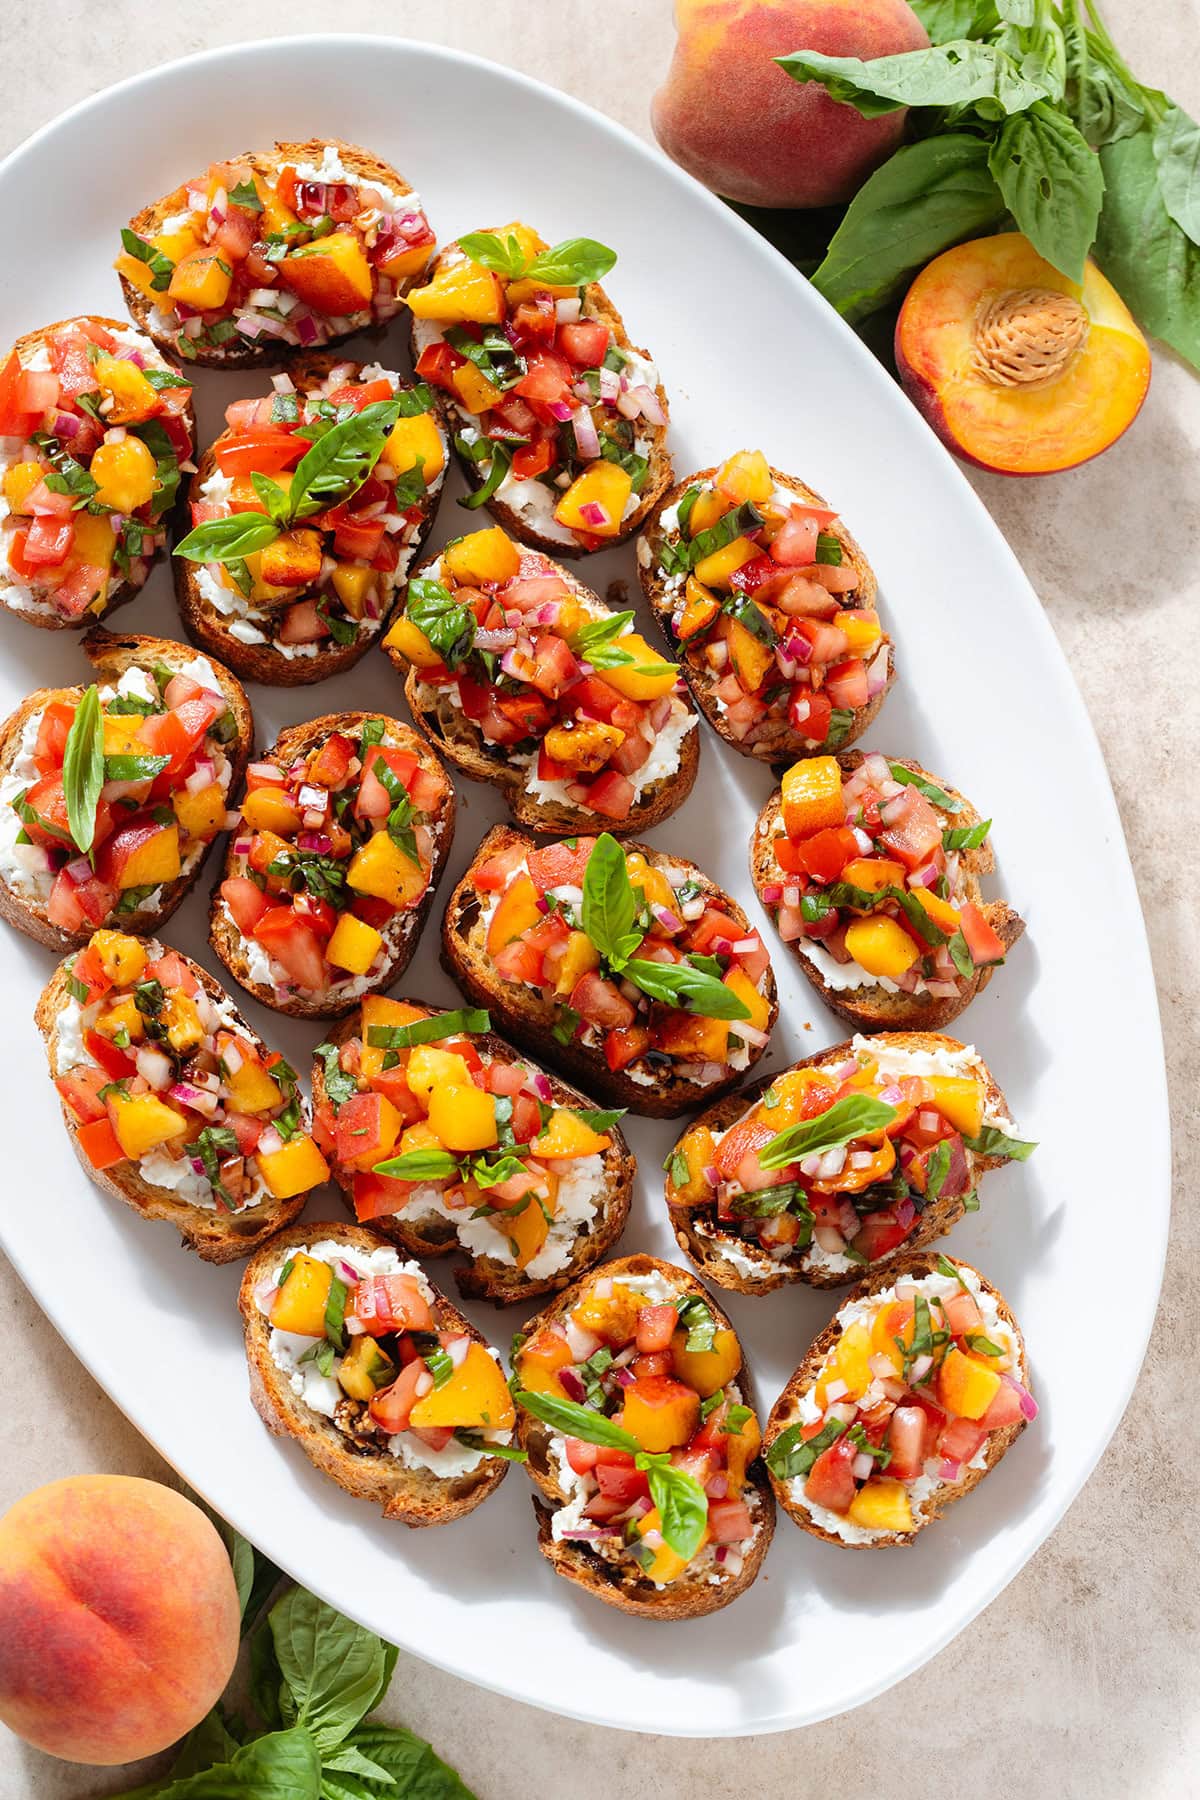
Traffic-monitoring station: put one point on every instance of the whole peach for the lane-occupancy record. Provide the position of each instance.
(734, 119)
(121, 1618)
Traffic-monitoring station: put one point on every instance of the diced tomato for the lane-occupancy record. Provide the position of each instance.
(961, 1439)
(623, 1484)
(98, 1141)
(529, 713)
(611, 794)
(625, 1046)
(913, 831)
(246, 902)
(810, 713)
(319, 915)
(303, 624)
(822, 856)
(596, 698)
(581, 1456)
(373, 911)
(880, 1234)
(730, 1521)
(530, 460)
(359, 394)
(632, 754)
(546, 383)
(846, 683)
(558, 865)
(712, 927)
(180, 732)
(111, 1058)
(292, 944)
(655, 1328)
(15, 419)
(45, 501)
(962, 1313)
(493, 874)
(246, 1129)
(830, 1480)
(265, 451)
(391, 1408)
(437, 363)
(358, 537)
(63, 907)
(359, 1131)
(601, 1003)
(173, 973)
(48, 801)
(80, 1090)
(330, 765)
(89, 970)
(1004, 1410)
(795, 543)
(379, 1196)
(520, 961)
(48, 542)
(81, 585)
(534, 321)
(555, 668)
(374, 801)
(584, 343)
(548, 769)
(985, 944)
(383, 1303)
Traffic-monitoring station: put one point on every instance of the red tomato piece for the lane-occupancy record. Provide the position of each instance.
(293, 945)
(822, 856)
(830, 1480)
(266, 452)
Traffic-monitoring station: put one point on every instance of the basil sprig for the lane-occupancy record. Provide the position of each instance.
(83, 768)
(992, 1142)
(573, 263)
(936, 795)
(449, 626)
(599, 642)
(336, 467)
(792, 1454)
(854, 1116)
(609, 919)
(339, 1086)
(577, 1421)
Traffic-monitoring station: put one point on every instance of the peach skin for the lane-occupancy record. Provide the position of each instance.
(1018, 369)
(730, 116)
(121, 1618)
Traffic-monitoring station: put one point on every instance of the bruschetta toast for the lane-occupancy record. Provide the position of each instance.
(383, 1384)
(871, 868)
(634, 1407)
(560, 424)
(96, 430)
(772, 607)
(171, 1102)
(622, 965)
(274, 252)
(346, 825)
(855, 1157)
(167, 734)
(907, 1399)
(307, 513)
(444, 1139)
(525, 679)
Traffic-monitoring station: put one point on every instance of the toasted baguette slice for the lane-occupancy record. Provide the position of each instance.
(271, 661)
(484, 1276)
(400, 936)
(870, 1008)
(16, 594)
(359, 1463)
(265, 351)
(786, 1410)
(773, 739)
(703, 1587)
(530, 519)
(23, 898)
(216, 1236)
(462, 741)
(530, 1021)
(744, 1266)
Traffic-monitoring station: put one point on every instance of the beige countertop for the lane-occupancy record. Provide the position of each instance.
(1082, 1678)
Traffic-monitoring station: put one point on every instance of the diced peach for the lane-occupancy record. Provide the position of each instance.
(378, 1010)
(605, 487)
(414, 440)
(566, 1135)
(200, 815)
(880, 946)
(292, 1169)
(648, 677)
(659, 1412)
(124, 473)
(122, 957)
(462, 292)
(354, 945)
(873, 872)
(142, 1122)
(579, 956)
(464, 1118)
(741, 1448)
(882, 1505)
(812, 796)
(381, 868)
(476, 1397)
(714, 570)
(539, 1360)
(756, 1004)
(293, 560)
(270, 809)
(352, 583)
(746, 475)
(959, 1098)
(750, 656)
(473, 388)
(697, 1148)
(707, 1370)
(201, 280)
(945, 916)
(251, 1089)
(300, 1301)
(666, 1565)
(516, 912)
(412, 643)
(332, 275)
(965, 1385)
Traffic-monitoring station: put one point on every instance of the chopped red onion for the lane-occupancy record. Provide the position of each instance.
(587, 437)
(559, 409)
(1029, 1405)
(772, 894)
(950, 1470)
(593, 514)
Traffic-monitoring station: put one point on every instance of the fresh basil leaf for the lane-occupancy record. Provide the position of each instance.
(741, 522)
(1052, 184)
(681, 1501)
(751, 617)
(420, 1165)
(335, 1304)
(946, 20)
(573, 263)
(503, 256)
(926, 197)
(1177, 154)
(950, 75)
(696, 1316)
(501, 463)
(598, 1120)
(983, 1346)
(273, 497)
(936, 795)
(966, 837)
(682, 985)
(475, 1440)
(461, 1020)
(339, 463)
(134, 768)
(1152, 263)
(284, 1765)
(596, 632)
(841, 723)
(829, 549)
(576, 1421)
(67, 476)
(855, 1116)
(339, 1086)
(792, 1455)
(936, 1170)
(239, 535)
(414, 1770)
(83, 768)
(992, 1142)
(245, 195)
(609, 915)
(161, 267)
(207, 1743)
(165, 378)
(947, 1268)
(415, 399)
(331, 1667)
(1103, 101)
(166, 465)
(960, 955)
(449, 626)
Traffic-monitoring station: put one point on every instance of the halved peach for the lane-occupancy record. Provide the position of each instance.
(1016, 368)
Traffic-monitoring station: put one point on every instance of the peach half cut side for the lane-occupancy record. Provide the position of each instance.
(1018, 369)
